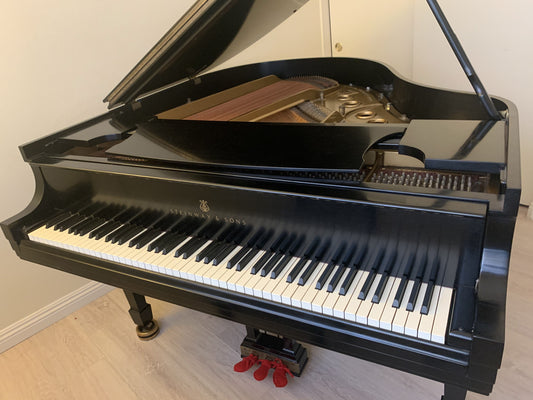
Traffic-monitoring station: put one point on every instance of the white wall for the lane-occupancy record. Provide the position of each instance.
(497, 36)
(380, 30)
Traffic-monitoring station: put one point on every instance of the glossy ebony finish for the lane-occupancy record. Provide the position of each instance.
(475, 228)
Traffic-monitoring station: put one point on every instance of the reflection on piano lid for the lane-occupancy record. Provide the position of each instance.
(327, 200)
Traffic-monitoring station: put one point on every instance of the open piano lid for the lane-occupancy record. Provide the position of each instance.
(210, 32)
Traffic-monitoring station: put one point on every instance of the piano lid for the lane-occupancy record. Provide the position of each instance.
(213, 31)
(210, 32)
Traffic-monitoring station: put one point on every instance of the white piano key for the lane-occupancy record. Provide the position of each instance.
(240, 285)
(426, 320)
(413, 319)
(376, 312)
(290, 288)
(236, 276)
(400, 318)
(440, 324)
(220, 268)
(220, 277)
(432, 326)
(307, 299)
(385, 321)
(352, 309)
(343, 301)
(301, 290)
(272, 284)
(330, 300)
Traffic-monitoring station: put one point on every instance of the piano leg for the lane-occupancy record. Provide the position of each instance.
(452, 392)
(270, 347)
(141, 313)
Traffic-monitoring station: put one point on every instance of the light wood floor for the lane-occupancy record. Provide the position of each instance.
(95, 354)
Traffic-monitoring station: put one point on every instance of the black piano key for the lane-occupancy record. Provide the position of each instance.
(220, 243)
(105, 229)
(264, 239)
(145, 238)
(277, 245)
(271, 264)
(366, 286)
(133, 231)
(427, 298)
(405, 278)
(308, 272)
(57, 219)
(291, 252)
(252, 242)
(88, 225)
(227, 233)
(241, 234)
(261, 262)
(414, 295)
(371, 275)
(284, 248)
(348, 281)
(376, 298)
(184, 247)
(325, 275)
(259, 245)
(201, 255)
(305, 258)
(113, 236)
(418, 280)
(318, 257)
(280, 242)
(213, 251)
(237, 257)
(323, 251)
(234, 240)
(332, 284)
(296, 269)
(126, 215)
(354, 267)
(91, 209)
(193, 247)
(223, 253)
(71, 221)
(430, 285)
(93, 224)
(209, 229)
(142, 218)
(172, 242)
(400, 292)
(74, 229)
(349, 256)
(385, 275)
(157, 244)
(165, 222)
(219, 253)
(331, 266)
(281, 266)
(246, 259)
(109, 212)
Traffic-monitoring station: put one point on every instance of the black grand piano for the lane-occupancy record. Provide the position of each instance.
(326, 200)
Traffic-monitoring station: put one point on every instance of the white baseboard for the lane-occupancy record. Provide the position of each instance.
(51, 313)
(530, 211)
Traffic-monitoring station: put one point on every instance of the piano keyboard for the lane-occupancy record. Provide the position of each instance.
(396, 287)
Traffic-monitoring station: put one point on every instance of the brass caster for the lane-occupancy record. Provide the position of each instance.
(148, 331)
